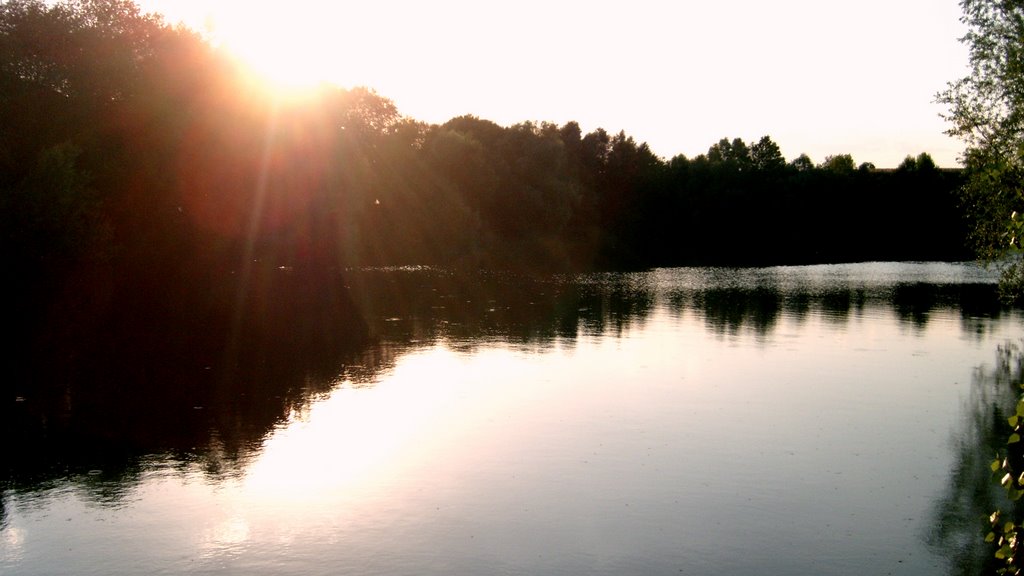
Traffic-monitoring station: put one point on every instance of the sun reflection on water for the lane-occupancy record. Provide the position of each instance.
(231, 533)
(360, 436)
(12, 542)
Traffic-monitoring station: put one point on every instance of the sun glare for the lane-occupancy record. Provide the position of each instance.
(291, 69)
(291, 53)
(358, 436)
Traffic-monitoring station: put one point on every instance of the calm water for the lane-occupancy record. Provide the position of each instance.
(804, 420)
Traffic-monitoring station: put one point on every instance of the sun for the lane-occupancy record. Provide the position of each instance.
(292, 51)
(290, 65)
(301, 45)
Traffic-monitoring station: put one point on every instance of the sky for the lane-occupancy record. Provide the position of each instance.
(821, 77)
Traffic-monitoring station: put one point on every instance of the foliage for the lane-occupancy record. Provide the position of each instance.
(802, 163)
(986, 105)
(986, 110)
(766, 156)
(839, 164)
(1007, 525)
(52, 215)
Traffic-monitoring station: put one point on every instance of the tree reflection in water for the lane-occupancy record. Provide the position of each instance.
(119, 379)
(962, 514)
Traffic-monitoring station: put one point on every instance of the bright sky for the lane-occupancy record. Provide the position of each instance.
(819, 76)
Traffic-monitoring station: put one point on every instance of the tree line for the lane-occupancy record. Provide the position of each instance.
(128, 143)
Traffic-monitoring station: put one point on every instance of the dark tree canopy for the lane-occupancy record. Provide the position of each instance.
(802, 163)
(839, 164)
(766, 155)
(132, 143)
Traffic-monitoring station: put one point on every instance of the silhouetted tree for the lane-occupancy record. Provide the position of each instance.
(174, 165)
(802, 163)
(766, 156)
(735, 155)
(839, 164)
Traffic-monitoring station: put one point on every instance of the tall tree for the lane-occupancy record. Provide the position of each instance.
(734, 155)
(986, 111)
(987, 105)
(765, 155)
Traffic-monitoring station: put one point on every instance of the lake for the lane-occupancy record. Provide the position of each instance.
(790, 420)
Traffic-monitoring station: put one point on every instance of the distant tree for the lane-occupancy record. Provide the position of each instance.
(766, 155)
(718, 152)
(409, 133)
(733, 154)
(595, 148)
(925, 162)
(572, 142)
(364, 113)
(679, 162)
(802, 163)
(909, 164)
(624, 193)
(922, 162)
(740, 154)
(839, 164)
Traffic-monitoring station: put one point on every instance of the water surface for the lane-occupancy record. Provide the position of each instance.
(792, 420)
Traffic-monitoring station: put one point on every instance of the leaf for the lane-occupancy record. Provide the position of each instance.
(1003, 552)
(1007, 479)
(995, 465)
(1013, 420)
(1014, 438)
(1008, 527)
(991, 537)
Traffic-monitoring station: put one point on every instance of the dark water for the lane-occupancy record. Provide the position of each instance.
(804, 420)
